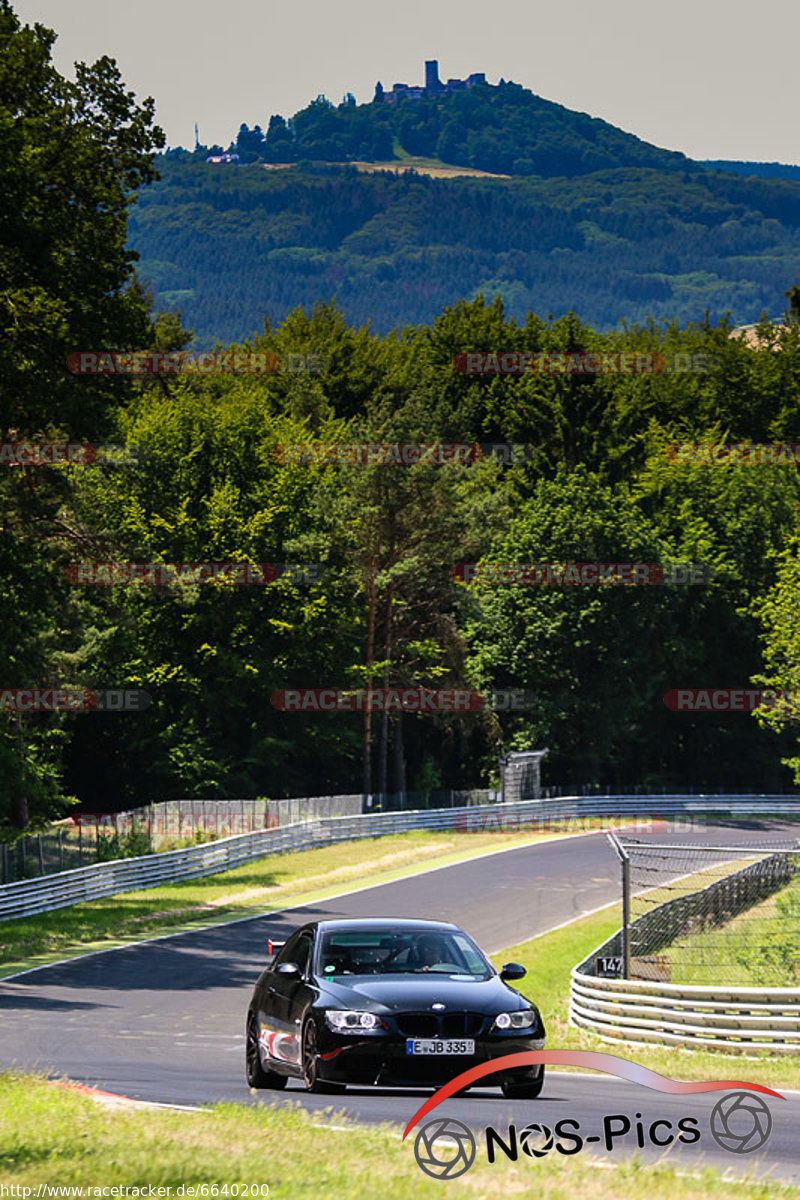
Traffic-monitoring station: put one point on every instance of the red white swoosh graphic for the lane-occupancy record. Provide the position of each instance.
(610, 1063)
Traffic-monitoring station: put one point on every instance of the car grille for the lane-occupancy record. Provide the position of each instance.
(418, 1025)
(448, 1025)
(456, 1025)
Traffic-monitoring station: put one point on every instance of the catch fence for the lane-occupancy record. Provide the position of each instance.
(568, 814)
(708, 954)
(714, 914)
(89, 838)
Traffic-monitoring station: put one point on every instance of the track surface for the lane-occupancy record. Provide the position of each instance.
(163, 1020)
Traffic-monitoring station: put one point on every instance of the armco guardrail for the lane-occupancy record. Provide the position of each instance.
(742, 1019)
(738, 1019)
(104, 879)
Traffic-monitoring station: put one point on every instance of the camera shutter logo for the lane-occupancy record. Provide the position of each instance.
(741, 1122)
(444, 1148)
(536, 1140)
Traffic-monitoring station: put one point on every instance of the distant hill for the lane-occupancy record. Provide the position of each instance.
(503, 129)
(369, 208)
(230, 246)
(771, 170)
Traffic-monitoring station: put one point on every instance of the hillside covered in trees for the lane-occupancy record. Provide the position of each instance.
(504, 129)
(229, 246)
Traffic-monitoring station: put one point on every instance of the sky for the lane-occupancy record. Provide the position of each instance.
(713, 78)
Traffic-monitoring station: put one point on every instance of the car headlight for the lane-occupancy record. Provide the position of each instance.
(347, 1020)
(515, 1020)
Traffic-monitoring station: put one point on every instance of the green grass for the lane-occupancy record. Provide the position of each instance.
(260, 886)
(415, 159)
(52, 1135)
(758, 948)
(549, 960)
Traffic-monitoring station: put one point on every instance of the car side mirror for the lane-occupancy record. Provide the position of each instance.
(287, 968)
(512, 971)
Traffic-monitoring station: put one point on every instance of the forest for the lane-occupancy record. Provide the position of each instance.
(504, 129)
(376, 595)
(229, 246)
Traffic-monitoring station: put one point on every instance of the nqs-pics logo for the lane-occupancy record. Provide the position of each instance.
(741, 1123)
(444, 1148)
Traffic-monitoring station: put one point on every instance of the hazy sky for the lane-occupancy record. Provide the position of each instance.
(714, 78)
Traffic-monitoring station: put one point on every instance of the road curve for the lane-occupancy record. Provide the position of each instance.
(163, 1020)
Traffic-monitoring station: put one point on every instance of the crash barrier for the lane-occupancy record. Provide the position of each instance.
(571, 813)
(86, 838)
(734, 1018)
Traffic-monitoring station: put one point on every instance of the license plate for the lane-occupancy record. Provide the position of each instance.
(440, 1046)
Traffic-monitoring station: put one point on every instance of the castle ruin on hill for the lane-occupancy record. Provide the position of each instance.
(433, 85)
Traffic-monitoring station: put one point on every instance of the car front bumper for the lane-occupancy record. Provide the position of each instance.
(384, 1060)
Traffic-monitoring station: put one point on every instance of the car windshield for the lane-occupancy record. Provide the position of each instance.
(405, 952)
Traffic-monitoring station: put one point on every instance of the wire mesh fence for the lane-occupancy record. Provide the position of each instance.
(88, 838)
(705, 914)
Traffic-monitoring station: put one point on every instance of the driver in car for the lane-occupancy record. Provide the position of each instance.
(430, 950)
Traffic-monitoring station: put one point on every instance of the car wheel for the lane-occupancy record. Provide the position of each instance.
(257, 1076)
(310, 1076)
(525, 1090)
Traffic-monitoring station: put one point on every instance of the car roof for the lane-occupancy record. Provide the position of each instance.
(388, 923)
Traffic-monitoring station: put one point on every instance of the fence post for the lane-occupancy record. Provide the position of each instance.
(625, 862)
(60, 850)
(626, 917)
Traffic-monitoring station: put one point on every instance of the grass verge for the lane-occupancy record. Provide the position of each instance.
(59, 1137)
(758, 948)
(264, 885)
(549, 960)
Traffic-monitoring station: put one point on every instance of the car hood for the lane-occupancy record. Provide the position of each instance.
(398, 993)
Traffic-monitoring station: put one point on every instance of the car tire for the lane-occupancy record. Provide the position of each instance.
(257, 1076)
(523, 1091)
(310, 1077)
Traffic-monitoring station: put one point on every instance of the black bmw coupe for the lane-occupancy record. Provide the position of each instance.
(407, 1003)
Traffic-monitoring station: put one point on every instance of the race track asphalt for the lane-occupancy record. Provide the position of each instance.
(163, 1020)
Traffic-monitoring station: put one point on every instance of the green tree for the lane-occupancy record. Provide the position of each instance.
(779, 613)
(71, 156)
